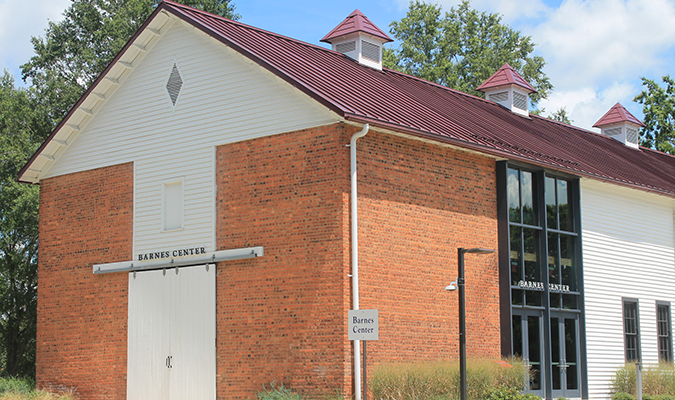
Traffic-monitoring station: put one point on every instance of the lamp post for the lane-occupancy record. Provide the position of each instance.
(462, 313)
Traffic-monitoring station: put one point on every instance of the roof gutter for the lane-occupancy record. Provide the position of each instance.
(434, 137)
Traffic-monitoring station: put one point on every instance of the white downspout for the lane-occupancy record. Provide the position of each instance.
(355, 256)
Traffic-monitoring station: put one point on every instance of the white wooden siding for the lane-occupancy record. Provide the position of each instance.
(172, 315)
(627, 252)
(225, 98)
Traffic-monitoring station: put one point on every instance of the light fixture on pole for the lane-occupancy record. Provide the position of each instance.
(459, 284)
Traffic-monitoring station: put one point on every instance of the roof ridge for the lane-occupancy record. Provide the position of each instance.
(247, 26)
(438, 85)
(578, 128)
(319, 47)
(659, 152)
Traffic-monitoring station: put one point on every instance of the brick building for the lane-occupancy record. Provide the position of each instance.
(195, 219)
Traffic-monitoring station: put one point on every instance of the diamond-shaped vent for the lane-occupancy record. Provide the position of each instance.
(174, 84)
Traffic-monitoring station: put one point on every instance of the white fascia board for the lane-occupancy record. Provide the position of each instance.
(211, 257)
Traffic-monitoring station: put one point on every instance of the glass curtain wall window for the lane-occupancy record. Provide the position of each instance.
(544, 276)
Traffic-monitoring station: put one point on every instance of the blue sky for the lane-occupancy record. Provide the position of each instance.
(596, 50)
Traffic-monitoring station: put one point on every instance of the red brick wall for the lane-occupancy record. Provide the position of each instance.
(85, 219)
(417, 204)
(282, 317)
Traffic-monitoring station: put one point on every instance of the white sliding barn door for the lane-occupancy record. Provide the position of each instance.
(172, 334)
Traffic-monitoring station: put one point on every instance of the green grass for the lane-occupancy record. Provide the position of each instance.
(24, 389)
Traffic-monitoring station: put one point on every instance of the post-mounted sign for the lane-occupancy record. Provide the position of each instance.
(363, 325)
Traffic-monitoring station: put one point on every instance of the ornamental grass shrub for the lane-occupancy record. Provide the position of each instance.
(658, 382)
(439, 380)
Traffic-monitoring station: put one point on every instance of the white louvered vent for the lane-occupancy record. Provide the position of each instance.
(519, 100)
(613, 131)
(370, 51)
(632, 135)
(346, 47)
(174, 85)
(499, 97)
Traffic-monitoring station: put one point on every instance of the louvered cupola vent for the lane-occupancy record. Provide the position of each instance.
(632, 135)
(359, 39)
(507, 88)
(499, 97)
(613, 131)
(371, 51)
(620, 125)
(520, 100)
(174, 85)
(346, 47)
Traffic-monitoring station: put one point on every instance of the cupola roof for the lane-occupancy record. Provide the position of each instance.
(354, 23)
(615, 115)
(506, 75)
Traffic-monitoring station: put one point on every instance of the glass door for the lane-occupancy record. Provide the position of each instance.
(565, 371)
(527, 343)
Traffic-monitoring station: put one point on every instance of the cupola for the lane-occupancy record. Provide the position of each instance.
(507, 88)
(621, 125)
(358, 38)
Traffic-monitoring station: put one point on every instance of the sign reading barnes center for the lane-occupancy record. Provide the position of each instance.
(190, 251)
(553, 287)
(363, 325)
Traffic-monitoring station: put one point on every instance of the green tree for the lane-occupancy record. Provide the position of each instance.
(561, 116)
(75, 50)
(462, 48)
(658, 106)
(72, 53)
(19, 127)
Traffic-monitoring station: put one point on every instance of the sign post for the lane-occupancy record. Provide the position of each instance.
(364, 325)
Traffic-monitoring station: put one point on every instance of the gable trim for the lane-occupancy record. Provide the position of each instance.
(112, 75)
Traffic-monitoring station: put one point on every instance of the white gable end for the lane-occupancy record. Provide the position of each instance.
(170, 130)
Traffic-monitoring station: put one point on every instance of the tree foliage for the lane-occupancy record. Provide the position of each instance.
(20, 125)
(658, 105)
(561, 116)
(75, 50)
(70, 56)
(462, 48)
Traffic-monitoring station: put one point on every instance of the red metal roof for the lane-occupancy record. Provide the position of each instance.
(506, 75)
(617, 114)
(356, 22)
(399, 102)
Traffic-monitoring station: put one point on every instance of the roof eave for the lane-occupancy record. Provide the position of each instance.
(499, 153)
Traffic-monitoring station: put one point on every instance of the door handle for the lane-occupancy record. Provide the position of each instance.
(168, 362)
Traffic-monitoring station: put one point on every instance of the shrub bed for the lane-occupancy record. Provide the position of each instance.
(486, 379)
(658, 383)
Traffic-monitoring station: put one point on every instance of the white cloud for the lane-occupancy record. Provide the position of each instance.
(597, 42)
(586, 106)
(511, 10)
(19, 20)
